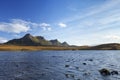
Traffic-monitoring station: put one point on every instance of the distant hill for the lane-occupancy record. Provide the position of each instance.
(29, 40)
(109, 46)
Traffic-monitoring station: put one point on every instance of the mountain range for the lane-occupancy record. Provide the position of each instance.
(29, 40)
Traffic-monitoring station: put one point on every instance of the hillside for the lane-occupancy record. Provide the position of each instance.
(29, 40)
(109, 46)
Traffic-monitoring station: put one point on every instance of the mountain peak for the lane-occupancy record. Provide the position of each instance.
(30, 40)
(65, 44)
(27, 36)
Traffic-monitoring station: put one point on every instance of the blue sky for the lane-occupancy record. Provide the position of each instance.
(79, 22)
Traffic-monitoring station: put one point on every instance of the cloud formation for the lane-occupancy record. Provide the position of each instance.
(45, 26)
(62, 25)
(14, 27)
(19, 26)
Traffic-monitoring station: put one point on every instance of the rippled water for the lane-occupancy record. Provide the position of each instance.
(58, 65)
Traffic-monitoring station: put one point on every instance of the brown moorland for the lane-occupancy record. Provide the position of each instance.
(34, 48)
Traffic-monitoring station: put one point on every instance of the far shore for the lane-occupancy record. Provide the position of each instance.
(34, 48)
(4, 47)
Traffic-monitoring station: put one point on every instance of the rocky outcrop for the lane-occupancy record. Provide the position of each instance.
(106, 72)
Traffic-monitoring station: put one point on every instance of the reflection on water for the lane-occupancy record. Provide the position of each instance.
(58, 65)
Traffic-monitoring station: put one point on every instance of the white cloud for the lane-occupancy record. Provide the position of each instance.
(18, 26)
(45, 26)
(14, 26)
(49, 29)
(3, 40)
(62, 25)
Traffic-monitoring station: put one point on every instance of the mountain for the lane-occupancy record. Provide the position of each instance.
(55, 42)
(29, 40)
(65, 44)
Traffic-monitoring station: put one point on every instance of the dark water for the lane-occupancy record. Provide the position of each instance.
(58, 65)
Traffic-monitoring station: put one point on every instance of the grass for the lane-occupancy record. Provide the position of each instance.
(36, 48)
(33, 48)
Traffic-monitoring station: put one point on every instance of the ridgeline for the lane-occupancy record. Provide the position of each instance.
(29, 42)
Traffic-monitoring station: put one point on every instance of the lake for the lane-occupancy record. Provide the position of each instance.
(58, 65)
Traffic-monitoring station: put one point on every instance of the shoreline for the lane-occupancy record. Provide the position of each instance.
(39, 48)
(33, 48)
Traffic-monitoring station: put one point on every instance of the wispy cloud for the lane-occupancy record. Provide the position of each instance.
(102, 17)
(111, 18)
(62, 25)
(109, 4)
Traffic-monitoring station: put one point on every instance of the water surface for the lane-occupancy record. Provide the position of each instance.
(58, 65)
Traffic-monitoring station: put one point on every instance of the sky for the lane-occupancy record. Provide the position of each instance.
(78, 22)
